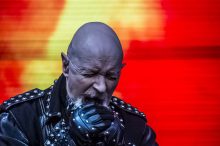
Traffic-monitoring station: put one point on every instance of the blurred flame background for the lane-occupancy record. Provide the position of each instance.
(172, 52)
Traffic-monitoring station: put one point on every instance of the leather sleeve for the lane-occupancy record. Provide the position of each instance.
(10, 134)
(149, 137)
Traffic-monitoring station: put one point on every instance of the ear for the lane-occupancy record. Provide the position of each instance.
(65, 64)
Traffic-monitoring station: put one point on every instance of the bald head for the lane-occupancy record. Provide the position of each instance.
(95, 39)
(93, 65)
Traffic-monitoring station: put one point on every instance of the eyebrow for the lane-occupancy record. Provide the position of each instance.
(82, 69)
(92, 70)
(95, 68)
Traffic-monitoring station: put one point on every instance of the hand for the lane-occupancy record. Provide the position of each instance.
(114, 135)
(87, 121)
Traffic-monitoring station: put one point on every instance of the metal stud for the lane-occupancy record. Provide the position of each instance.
(8, 103)
(136, 112)
(35, 91)
(48, 142)
(93, 128)
(51, 135)
(59, 114)
(24, 98)
(27, 93)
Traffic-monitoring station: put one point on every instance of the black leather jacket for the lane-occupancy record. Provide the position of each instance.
(36, 117)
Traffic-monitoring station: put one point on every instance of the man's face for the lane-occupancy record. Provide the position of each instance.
(93, 78)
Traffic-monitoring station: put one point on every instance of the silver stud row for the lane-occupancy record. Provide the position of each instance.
(126, 106)
(23, 97)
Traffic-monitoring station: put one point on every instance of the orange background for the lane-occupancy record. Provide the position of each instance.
(171, 50)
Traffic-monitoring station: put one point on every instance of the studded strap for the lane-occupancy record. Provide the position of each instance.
(29, 95)
(126, 107)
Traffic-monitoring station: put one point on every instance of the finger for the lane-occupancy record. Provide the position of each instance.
(86, 106)
(99, 118)
(102, 126)
(96, 111)
(91, 106)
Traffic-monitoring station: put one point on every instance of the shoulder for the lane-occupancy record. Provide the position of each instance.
(131, 118)
(127, 108)
(19, 99)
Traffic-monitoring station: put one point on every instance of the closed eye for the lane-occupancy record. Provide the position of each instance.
(89, 74)
(111, 77)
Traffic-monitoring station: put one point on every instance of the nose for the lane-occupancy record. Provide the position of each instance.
(100, 84)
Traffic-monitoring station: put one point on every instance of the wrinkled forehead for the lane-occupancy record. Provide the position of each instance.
(97, 62)
(98, 65)
(98, 57)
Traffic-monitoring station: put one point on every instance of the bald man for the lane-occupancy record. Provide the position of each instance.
(79, 109)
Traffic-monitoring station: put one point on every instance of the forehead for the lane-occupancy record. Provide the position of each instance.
(106, 63)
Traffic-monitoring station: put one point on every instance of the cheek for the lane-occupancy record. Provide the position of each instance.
(78, 84)
(111, 86)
